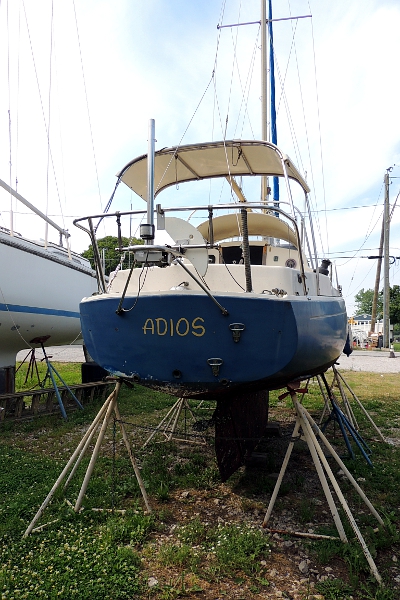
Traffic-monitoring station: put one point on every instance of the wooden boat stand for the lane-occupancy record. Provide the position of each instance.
(311, 433)
(168, 425)
(109, 407)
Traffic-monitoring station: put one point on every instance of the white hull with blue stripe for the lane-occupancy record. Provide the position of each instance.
(40, 292)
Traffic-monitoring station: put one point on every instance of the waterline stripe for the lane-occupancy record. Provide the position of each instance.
(38, 311)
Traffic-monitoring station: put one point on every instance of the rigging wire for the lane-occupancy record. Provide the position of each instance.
(245, 97)
(292, 128)
(87, 102)
(49, 123)
(235, 40)
(9, 121)
(41, 99)
(319, 127)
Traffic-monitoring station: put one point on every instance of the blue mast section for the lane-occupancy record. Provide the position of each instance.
(274, 136)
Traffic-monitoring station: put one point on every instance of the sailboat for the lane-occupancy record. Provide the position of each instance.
(230, 309)
(41, 286)
(41, 280)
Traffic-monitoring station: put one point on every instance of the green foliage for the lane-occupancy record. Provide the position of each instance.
(363, 301)
(195, 532)
(226, 549)
(96, 554)
(394, 306)
(239, 548)
(73, 560)
(129, 529)
(112, 257)
(179, 556)
(78, 557)
(364, 298)
(24, 381)
(334, 589)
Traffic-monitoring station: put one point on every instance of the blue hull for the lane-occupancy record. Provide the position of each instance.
(166, 341)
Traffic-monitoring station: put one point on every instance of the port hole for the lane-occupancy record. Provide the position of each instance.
(177, 373)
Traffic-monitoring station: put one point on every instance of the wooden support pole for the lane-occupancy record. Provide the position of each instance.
(167, 419)
(349, 411)
(317, 463)
(281, 473)
(110, 409)
(64, 472)
(132, 458)
(179, 406)
(89, 436)
(310, 431)
(341, 464)
(301, 411)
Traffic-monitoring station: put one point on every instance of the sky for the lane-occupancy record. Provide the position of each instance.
(82, 78)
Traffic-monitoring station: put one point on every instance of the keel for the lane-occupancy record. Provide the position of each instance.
(240, 422)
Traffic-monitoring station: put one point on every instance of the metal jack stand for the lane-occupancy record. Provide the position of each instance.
(345, 422)
(51, 370)
(109, 407)
(339, 380)
(169, 423)
(32, 366)
(311, 433)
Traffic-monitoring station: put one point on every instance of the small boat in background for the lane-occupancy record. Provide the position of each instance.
(41, 281)
(41, 286)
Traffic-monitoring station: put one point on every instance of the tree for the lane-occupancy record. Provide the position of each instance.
(111, 256)
(394, 304)
(363, 301)
(364, 298)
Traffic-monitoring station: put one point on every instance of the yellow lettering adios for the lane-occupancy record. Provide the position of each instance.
(199, 327)
(148, 326)
(182, 327)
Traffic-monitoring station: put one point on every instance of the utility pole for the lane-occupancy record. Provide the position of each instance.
(377, 279)
(386, 218)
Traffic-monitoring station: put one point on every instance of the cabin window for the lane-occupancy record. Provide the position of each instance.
(233, 255)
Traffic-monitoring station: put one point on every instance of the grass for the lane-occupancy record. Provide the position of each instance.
(26, 380)
(203, 539)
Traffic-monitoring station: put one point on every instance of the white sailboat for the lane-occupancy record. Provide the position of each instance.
(40, 289)
(41, 281)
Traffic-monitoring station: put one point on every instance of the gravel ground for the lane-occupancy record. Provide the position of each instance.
(58, 354)
(375, 361)
(372, 361)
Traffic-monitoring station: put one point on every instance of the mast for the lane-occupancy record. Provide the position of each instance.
(264, 112)
(270, 134)
(274, 136)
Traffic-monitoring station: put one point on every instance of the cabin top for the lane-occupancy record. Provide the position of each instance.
(259, 224)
